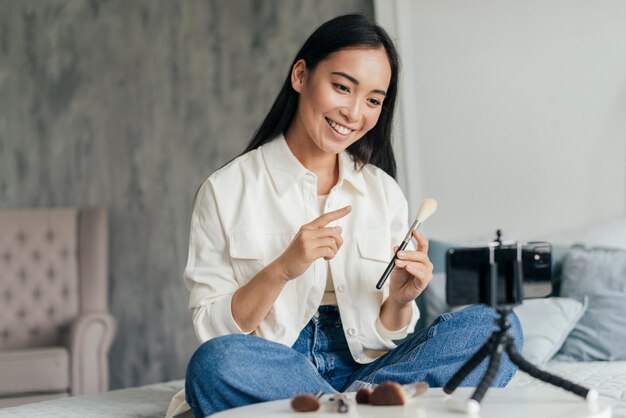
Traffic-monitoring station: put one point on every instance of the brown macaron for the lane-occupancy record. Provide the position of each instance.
(387, 393)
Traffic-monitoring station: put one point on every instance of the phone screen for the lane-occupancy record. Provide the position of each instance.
(466, 271)
(468, 280)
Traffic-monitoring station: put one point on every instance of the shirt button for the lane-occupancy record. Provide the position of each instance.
(341, 288)
(351, 332)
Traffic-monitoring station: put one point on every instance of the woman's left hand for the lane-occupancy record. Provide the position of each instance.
(412, 272)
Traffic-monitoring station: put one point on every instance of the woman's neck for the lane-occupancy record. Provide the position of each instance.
(324, 165)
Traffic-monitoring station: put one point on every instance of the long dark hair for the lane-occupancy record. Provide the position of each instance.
(343, 32)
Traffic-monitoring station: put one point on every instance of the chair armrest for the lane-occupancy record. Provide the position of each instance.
(89, 342)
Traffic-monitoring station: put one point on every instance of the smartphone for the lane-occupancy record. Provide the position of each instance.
(498, 275)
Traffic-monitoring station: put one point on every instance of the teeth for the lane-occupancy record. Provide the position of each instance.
(341, 129)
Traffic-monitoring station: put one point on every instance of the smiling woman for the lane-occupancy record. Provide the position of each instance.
(288, 241)
(340, 101)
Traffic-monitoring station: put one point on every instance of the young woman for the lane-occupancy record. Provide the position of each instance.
(288, 241)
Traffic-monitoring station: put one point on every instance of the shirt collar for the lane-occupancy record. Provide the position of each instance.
(285, 169)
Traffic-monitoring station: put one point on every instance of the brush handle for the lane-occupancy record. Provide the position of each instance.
(415, 389)
(392, 263)
(342, 406)
(381, 282)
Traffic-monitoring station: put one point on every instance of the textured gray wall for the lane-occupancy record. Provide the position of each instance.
(130, 105)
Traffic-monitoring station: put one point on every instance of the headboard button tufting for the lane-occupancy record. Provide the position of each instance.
(21, 313)
(21, 237)
(21, 274)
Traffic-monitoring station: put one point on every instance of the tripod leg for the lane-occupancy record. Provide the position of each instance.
(526, 366)
(490, 374)
(470, 365)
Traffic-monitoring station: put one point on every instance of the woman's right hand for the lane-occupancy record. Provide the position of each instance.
(314, 240)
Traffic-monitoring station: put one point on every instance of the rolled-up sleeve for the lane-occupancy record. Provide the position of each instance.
(389, 335)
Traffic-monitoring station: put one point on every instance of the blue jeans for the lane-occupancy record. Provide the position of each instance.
(236, 370)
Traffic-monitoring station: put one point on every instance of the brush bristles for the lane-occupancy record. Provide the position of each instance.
(305, 403)
(387, 393)
(427, 208)
(416, 389)
(363, 395)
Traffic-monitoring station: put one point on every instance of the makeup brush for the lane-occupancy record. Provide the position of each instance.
(427, 208)
(415, 389)
(363, 395)
(307, 402)
(340, 400)
(342, 406)
(392, 393)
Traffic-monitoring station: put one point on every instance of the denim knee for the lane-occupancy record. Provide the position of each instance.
(485, 314)
(212, 360)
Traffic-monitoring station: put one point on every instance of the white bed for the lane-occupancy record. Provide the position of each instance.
(609, 378)
(151, 401)
(148, 401)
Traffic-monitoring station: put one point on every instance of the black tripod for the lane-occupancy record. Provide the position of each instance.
(499, 342)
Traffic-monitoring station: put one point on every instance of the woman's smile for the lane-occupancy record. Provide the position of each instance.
(338, 128)
(339, 101)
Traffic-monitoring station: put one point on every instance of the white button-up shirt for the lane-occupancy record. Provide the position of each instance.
(248, 212)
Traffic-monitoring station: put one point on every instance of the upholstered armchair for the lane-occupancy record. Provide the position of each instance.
(55, 331)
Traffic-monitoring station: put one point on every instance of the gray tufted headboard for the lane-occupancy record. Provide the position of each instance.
(42, 255)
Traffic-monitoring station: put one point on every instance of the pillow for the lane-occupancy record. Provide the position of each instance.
(599, 274)
(437, 254)
(435, 298)
(432, 302)
(546, 323)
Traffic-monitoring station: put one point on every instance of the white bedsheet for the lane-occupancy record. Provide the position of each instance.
(151, 401)
(609, 378)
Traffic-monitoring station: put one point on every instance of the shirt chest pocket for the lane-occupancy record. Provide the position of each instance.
(374, 250)
(251, 251)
